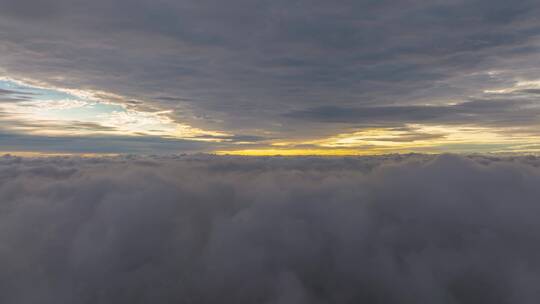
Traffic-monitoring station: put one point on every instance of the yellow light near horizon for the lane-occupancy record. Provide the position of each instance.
(446, 138)
(298, 152)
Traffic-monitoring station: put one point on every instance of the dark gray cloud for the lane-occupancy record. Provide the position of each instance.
(97, 144)
(7, 92)
(487, 112)
(14, 95)
(240, 67)
(207, 229)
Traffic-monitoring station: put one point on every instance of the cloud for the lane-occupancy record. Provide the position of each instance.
(483, 112)
(207, 229)
(144, 144)
(240, 68)
(14, 96)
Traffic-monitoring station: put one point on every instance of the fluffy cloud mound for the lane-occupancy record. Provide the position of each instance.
(203, 229)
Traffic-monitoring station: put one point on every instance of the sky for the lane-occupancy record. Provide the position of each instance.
(254, 77)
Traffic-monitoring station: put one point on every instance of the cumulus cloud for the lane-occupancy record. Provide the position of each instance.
(206, 229)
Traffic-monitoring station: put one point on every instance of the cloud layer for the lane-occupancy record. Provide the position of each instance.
(283, 70)
(205, 229)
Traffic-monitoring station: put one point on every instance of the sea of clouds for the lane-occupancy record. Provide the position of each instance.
(209, 229)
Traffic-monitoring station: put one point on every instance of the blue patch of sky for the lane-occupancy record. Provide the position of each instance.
(89, 111)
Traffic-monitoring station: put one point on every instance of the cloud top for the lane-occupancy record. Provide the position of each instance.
(207, 229)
